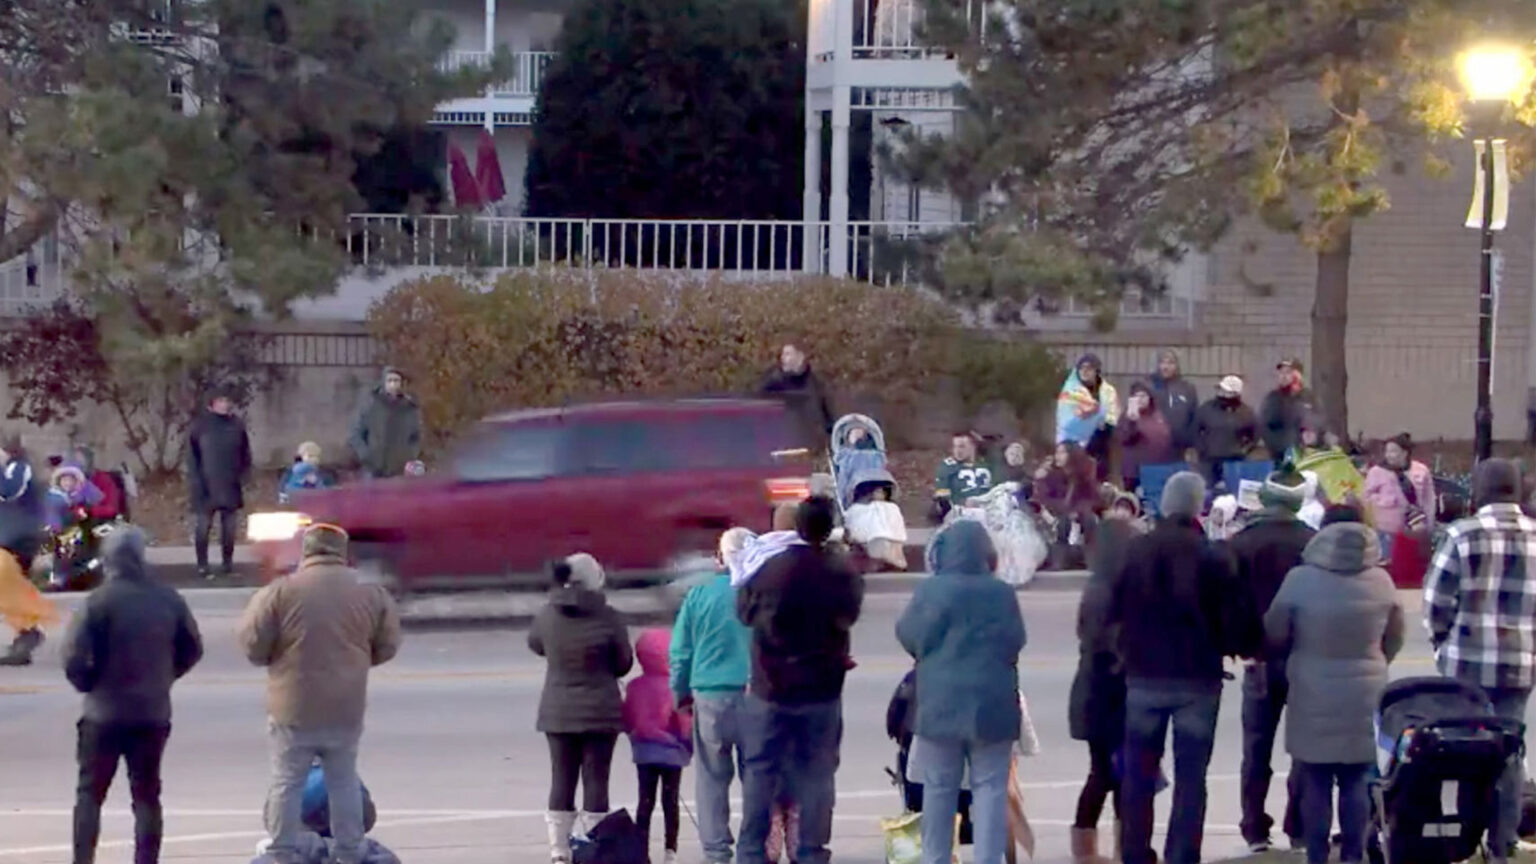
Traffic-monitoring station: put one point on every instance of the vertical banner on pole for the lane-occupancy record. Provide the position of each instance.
(1500, 185)
(1498, 284)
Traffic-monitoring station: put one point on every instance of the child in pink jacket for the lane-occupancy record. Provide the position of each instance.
(660, 736)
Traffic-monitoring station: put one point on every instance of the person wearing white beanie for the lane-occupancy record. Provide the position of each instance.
(1226, 429)
(581, 711)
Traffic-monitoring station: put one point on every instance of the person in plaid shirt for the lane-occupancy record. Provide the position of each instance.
(1480, 608)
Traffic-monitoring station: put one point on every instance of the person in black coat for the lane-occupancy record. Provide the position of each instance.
(1226, 429)
(125, 649)
(1174, 607)
(797, 386)
(218, 464)
(801, 607)
(1263, 553)
(1096, 705)
(581, 711)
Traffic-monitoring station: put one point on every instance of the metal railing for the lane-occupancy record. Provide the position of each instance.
(886, 29)
(527, 73)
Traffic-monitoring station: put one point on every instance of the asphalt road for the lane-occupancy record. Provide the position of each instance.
(460, 776)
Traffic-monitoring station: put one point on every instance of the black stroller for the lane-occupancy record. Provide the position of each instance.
(1442, 753)
(899, 716)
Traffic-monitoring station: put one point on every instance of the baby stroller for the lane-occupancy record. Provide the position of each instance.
(899, 716)
(1441, 752)
(866, 493)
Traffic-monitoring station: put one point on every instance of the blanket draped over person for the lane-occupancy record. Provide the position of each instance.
(1082, 411)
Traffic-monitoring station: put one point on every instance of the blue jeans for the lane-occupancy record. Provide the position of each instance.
(717, 744)
(797, 745)
(1503, 831)
(940, 767)
(1317, 784)
(1150, 708)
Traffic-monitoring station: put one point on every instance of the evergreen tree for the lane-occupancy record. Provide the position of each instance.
(1117, 134)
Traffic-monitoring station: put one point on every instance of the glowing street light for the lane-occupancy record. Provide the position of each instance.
(1494, 73)
(1494, 76)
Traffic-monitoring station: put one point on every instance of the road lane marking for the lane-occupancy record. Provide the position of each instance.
(465, 813)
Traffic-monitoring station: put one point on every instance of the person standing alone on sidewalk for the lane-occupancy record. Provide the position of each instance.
(218, 464)
(387, 434)
(1173, 605)
(801, 608)
(318, 632)
(124, 651)
(711, 659)
(1264, 552)
(1478, 597)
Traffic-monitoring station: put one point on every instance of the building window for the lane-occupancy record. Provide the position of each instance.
(176, 91)
(914, 203)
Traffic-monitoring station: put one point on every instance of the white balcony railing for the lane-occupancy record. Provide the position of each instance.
(527, 73)
(884, 29)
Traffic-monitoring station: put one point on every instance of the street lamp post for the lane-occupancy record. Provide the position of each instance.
(1493, 76)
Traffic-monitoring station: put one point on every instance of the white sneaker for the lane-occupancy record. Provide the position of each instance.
(263, 846)
(669, 857)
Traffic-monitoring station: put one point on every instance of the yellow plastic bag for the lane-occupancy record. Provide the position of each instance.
(904, 839)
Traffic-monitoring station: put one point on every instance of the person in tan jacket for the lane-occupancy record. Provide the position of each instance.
(318, 632)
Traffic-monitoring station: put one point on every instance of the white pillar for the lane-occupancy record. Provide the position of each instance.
(811, 206)
(838, 211)
(490, 50)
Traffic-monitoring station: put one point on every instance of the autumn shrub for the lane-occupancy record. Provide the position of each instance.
(549, 336)
(1023, 375)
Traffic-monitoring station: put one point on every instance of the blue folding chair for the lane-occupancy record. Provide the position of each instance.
(1153, 479)
(1234, 473)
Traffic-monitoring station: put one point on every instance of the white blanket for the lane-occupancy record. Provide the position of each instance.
(757, 553)
(875, 520)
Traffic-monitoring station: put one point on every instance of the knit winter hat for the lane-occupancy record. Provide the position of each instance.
(1183, 495)
(1231, 385)
(586, 572)
(1284, 490)
(325, 541)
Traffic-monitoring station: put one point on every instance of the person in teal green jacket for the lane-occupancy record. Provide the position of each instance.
(711, 660)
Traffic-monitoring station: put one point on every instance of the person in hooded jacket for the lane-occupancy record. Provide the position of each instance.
(794, 383)
(964, 629)
(386, 436)
(1096, 704)
(1177, 400)
(1285, 408)
(1338, 623)
(218, 464)
(111, 504)
(1173, 604)
(660, 737)
(133, 640)
(1263, 552)
(581, 712)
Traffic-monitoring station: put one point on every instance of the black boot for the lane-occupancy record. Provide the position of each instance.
(22, 647)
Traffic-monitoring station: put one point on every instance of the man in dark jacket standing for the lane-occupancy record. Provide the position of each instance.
(1173, 605)
(801, 607)
(1285, 409)
(1225, 429)
(1177, 400)
(387, 434)
(131, 642)
(218, 464)
(1263, 553)
(793, 383)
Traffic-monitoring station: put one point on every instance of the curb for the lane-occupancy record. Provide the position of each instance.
(509, 607)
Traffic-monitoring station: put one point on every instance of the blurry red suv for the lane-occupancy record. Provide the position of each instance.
(639, 485)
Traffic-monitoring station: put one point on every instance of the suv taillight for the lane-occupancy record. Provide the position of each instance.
(788, 490)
